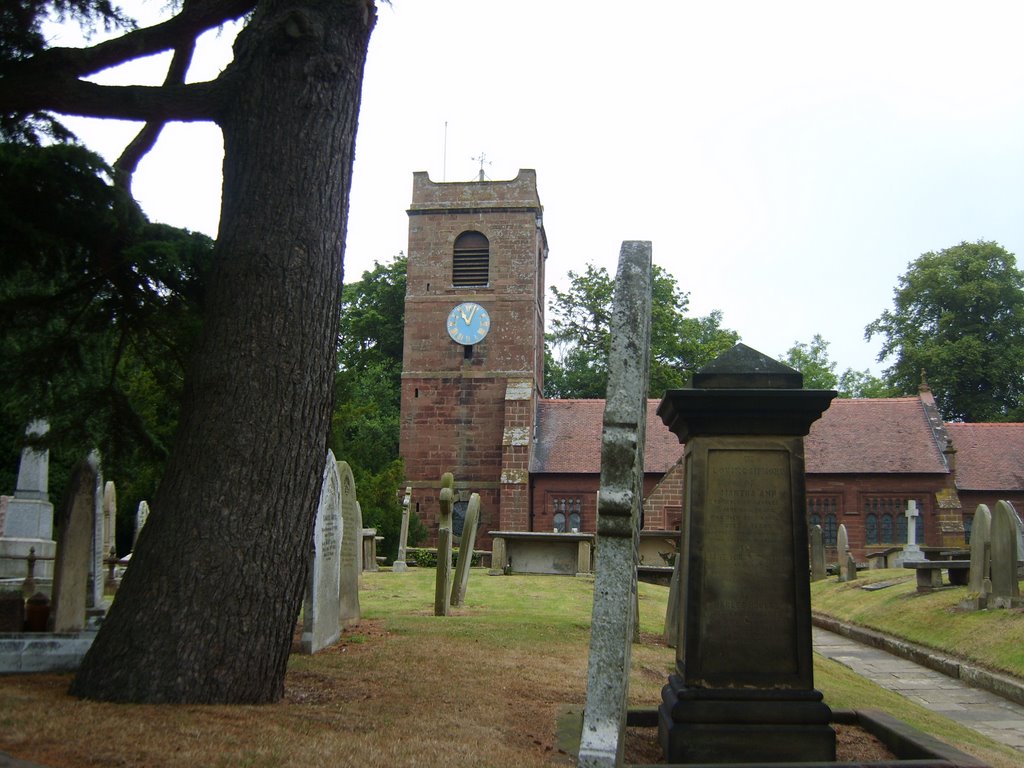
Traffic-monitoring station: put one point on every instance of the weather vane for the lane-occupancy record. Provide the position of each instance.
(482, 158)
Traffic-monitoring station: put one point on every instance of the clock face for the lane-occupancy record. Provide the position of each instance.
(468, 323)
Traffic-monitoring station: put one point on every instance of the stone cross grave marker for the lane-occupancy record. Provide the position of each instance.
(817, 554)
(620, 506)
(321, 609)
(351, 547)
(400, 566)
(443, 582)
(912, 552)
(71, 582)
(468, 541)
(1005, 587)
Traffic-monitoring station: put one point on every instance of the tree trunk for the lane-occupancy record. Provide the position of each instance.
(206, 611)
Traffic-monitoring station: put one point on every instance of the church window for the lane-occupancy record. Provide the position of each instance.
(568, 511)
(822, 510)
(871, 529)
(471, 260)
(889, 513)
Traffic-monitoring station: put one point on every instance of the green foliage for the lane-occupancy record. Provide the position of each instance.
(819, 371)
(365, 423)
(575, 359)
(958, 318)
(426, 557)
(98, 309)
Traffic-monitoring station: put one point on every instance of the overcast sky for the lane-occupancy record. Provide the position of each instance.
(787, 159)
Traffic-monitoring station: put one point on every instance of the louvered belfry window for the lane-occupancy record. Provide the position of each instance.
(471, 260)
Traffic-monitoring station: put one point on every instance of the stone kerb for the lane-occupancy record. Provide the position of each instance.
(321, 610)
(620, 503)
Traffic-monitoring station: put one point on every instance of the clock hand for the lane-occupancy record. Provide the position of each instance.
(472, 311)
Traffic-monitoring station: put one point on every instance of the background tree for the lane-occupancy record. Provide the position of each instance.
(368, 397)
(207, 610)
(958, 317)
(819, 371)
(575, 360)
(98, 308)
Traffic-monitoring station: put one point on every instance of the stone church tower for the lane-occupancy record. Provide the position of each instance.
(474, 345)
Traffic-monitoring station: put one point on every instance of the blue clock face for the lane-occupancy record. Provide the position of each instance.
(468, 323)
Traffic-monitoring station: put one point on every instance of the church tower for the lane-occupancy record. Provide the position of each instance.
(473, 359)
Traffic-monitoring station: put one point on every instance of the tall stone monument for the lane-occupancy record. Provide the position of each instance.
(620, 504)
(321, 609)
(912, 552)
(28, 521)
(818, 571)
(74, 563)
(743, 690)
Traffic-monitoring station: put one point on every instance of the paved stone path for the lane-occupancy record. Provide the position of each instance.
(984, 712)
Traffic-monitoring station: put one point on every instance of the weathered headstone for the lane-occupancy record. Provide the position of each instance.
(743, 690)
(321, 610)
(74, 564)
(443, 580)
(842, 553)
(95, 602)
(620, 505)
(400, 566)
(912, 552)
(1005, 586)
(141, 516)
(109, 517)
(817, 554)
(466, 545)
(351, 547)
(981, 554)
(672, 609)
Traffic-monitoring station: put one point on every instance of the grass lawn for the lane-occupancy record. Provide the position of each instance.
(488, 686)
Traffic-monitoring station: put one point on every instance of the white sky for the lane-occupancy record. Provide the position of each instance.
(787, 159)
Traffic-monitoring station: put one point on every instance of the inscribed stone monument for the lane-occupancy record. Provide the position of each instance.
(141, 516)
(743, 690)
(321, 610)
(912, 552)
(74, 563)
(620, 503)
(28, 515)
(351, 547)
(469, 526)
(843, 554)
(95, 601)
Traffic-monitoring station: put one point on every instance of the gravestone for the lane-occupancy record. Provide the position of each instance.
(321, 609)
(743, 690)
(672, 609)
(843, 553)
(981, 553)
(72, 583)
(400, 566)
(109, 517)
(817, 554)
(1005, 586)
(95, 602)
(27, 516)
(469, 527)
(351, 547)
(912, 552)
(620, 504)
(141, 516)
(443, 577)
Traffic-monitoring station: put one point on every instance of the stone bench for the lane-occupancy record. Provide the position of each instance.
(929, 572)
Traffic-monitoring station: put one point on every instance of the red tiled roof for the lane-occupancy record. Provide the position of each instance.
(569, 438)
(866, 436)
(989, 457)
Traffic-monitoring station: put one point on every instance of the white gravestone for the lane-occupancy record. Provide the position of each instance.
(27, 520)
(321, 610)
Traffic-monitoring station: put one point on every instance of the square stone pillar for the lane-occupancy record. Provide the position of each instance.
(743, 690)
